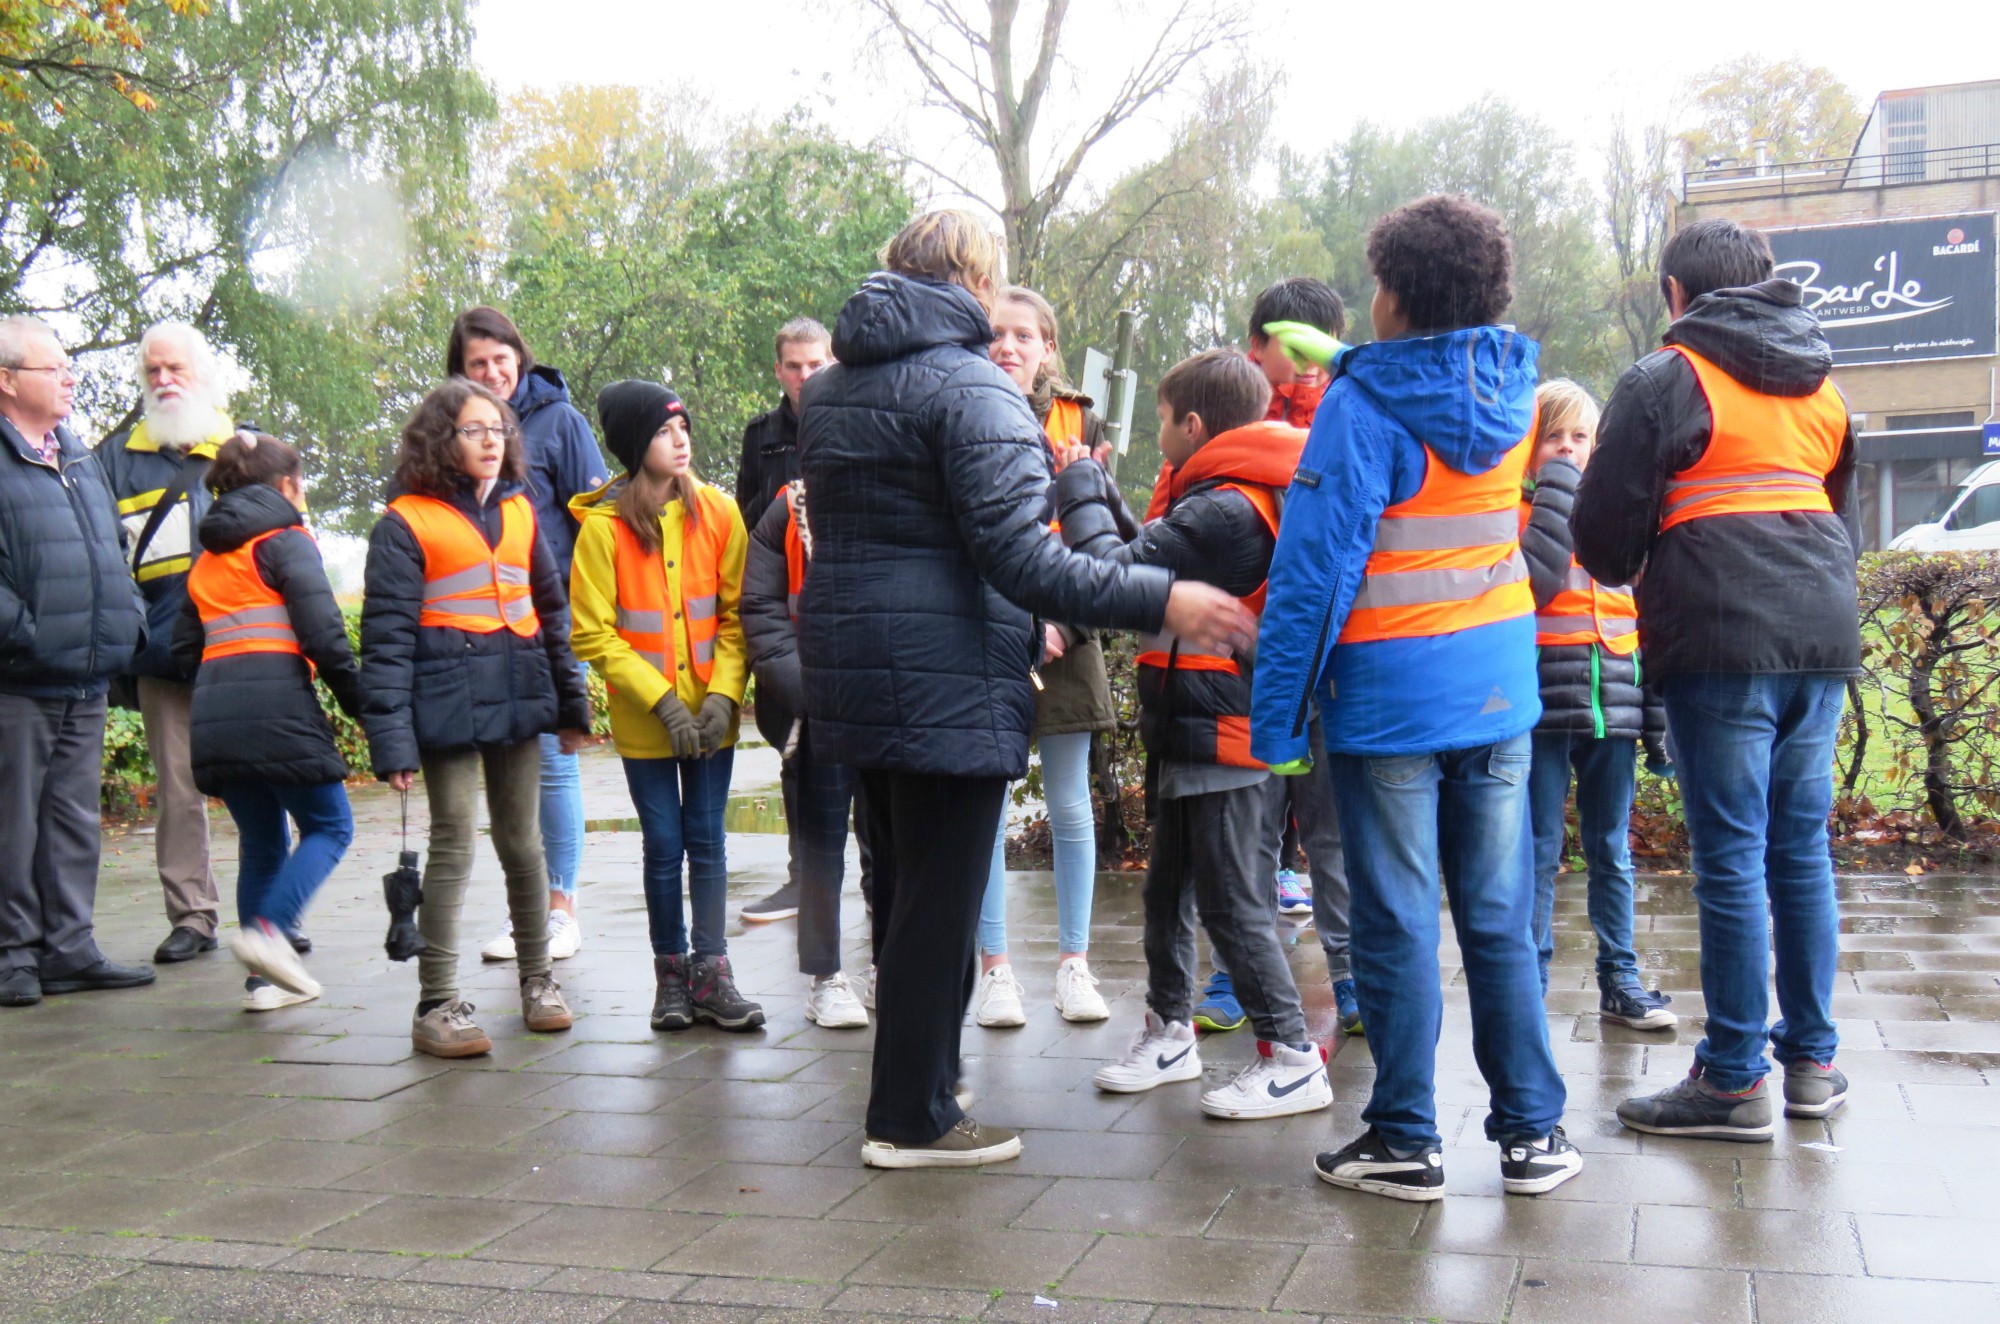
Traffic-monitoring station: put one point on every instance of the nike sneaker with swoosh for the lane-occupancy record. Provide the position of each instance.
(1160, 1054)
(1282, 1081)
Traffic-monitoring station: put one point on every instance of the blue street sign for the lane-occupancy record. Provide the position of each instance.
(1991, 435)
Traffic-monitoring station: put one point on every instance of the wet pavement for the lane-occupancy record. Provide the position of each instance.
(165, 1156)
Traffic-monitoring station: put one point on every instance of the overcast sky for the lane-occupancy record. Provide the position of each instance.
(1574, 63)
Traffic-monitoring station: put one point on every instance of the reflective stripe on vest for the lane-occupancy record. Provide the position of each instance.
(1766, 453)
(644, 619)
(240, 613)
(468, 585)
(1587, 612)
(1449, 558)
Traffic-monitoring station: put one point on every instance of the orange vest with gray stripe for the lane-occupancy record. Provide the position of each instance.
(1449, 558)
(468, 585)
(1585, 611)
(240, 613)
(1766, 453)
(645, 619)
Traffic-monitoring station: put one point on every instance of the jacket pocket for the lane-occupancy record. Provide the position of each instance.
(441, 702)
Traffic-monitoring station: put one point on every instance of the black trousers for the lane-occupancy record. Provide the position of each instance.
(817, 799)
(51, 764)
(933, 847)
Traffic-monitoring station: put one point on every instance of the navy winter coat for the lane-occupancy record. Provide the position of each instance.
(256, 715)
(70, 615)
(563, 459)
(927, 483)
(433, 687)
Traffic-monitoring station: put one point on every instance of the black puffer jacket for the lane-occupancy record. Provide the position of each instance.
(927, 481)
(768, 632)
(256, 716)
(1756, 592)
(70, 615)
(432, 687)
(1586, 688)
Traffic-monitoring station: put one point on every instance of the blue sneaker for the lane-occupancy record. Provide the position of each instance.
(1349, 1007)
(1294, 894)
(1219, 1010)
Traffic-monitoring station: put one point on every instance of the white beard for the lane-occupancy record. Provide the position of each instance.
(192, 419)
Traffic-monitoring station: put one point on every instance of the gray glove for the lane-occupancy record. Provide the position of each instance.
(681, 726)
(716, 712)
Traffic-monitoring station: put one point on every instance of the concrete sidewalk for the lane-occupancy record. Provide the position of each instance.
(165, 1156)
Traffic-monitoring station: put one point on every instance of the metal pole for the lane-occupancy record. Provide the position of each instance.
(1118, 405)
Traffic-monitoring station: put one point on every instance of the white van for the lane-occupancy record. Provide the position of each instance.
(1966, 519)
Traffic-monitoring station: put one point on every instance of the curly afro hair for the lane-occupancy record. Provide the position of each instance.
(1447, 260)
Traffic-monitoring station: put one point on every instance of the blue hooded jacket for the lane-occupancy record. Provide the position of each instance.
(562, 454)
(1469, 395)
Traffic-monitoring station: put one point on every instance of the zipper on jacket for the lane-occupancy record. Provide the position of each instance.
(1596, 693)
(1319, 654)
(90, 555)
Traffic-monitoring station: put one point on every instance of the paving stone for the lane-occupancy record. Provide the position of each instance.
(1941, 1248)
(928, 1302)
(460, 1172)
(347, 1263)
(1799, 1299)
(41, 1279)
(426, 1225)
(1840, 1184)
(626, 1286)
(1502, 1225)
(107, 1204)
(600, 1179)
(115, 1246)
(220, 1254)
(461, 1128)
(324, 1119)
(761, 1140)
(598, 1238)
(1776, 1239)
(1332, 1279)
(1174, 1269)
(1317, 1214)
(482, 1273)
(771, 1189)
(1159, 1208)
(986, 1196)
(955, 1255)
(310, 1163)
(1094, 1154)
(1571, 1292)
(609, 1094)
(790, 1248)
(256, 1213)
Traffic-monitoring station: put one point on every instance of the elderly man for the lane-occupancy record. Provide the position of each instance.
(70, 619)
(156, 472)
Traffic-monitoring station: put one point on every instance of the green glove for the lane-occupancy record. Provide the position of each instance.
(716, 712)
(1306, 346)
(681, 727)
(1299, 766)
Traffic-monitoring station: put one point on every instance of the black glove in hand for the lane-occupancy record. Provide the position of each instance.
(1081, 483)
(681, 726)
(716, 714)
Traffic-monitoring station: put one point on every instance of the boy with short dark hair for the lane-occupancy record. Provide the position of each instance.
(1399, 601)
(1296, 386)
(1217, 828)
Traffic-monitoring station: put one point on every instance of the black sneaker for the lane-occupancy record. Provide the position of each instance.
(713, 991)
(300, 943)
(183, 944)
(781, 904)
(1695, 1108)
(1629, 1003)
(1367, 1164)
(673, 1009)
(20, 987)
(1813, 1089)
(1536, 1165)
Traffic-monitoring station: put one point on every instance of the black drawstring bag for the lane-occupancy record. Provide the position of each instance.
(403, 890)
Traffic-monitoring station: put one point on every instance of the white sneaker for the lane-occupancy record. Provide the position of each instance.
(267, 952)
(997, 1005)
(1077, 998)
(260, 994)
(1282, 1081)
(1162, 1053)
(832, 1004)
(865, 988)
(565, 936)
(501, 948)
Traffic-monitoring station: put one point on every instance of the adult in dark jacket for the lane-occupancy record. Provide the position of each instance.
(563, 462)
(1595, 709)
(456, 685)
(169, 451)
(70, 619)
(260, 617)
(770, 457)
(928, 481)
(1726, 475)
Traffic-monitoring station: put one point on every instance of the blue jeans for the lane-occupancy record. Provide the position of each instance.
(275, 880)
(1604, 776)
(562, 815)
(1755, 759)
(1462, 813)
(1066, 794)
(680, 804)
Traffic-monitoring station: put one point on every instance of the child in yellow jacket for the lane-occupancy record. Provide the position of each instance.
(654, 590)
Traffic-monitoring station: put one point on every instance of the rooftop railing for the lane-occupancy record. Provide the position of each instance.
(1784, 178)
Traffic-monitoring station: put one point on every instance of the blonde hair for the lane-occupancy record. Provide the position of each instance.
(953, 246)
(1045, 322)
(1562, 404)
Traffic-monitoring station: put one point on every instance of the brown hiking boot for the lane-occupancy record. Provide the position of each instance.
(447, 1030)
(542, 1005)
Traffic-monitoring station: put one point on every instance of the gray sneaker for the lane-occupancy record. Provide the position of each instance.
(1813, 1089)
(542, 1005)
(447, 1030)
(967, 1145)
(1696, 1108)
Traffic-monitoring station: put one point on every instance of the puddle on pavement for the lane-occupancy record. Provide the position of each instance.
(761, 812)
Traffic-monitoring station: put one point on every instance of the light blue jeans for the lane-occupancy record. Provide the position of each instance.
(562, 815)
(1066, 793)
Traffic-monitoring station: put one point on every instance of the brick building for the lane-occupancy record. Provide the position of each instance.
(1896, 247)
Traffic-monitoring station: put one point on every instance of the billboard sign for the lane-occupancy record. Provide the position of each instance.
(1897, 291)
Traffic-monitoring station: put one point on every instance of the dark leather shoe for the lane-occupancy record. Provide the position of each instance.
(105, 974)
(300, 943)
(183, 944)
(20, 987)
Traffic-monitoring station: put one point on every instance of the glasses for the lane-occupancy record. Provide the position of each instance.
(479, 432)
(63, 371)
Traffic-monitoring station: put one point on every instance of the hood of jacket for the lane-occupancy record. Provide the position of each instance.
(1762, 335)
(601, 503)
(1264, 453)
(246, 513)
(539, 387)
(1469, 395)
(892, 317)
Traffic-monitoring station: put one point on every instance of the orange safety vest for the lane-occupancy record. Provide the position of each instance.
(1765, 453)
(642, 618)
(795, 560)
(1449, 558)
(240, 613)
(1587, 612)
(468, 585)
